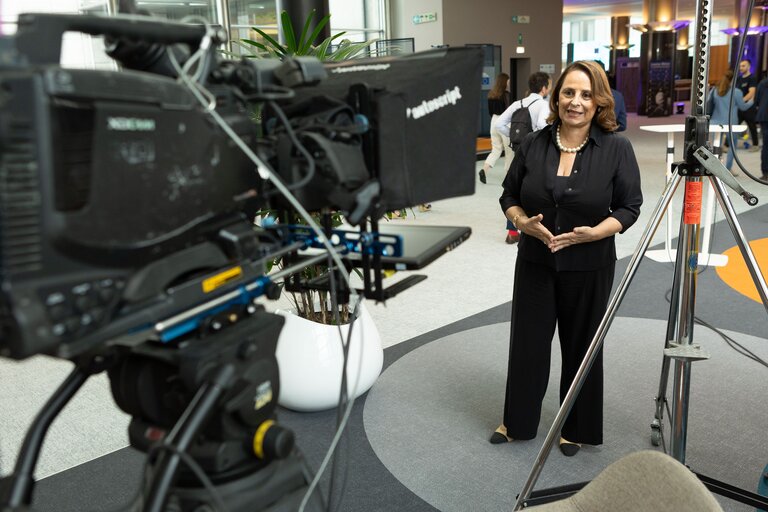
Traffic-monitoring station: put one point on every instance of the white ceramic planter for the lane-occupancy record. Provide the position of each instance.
(310, 358)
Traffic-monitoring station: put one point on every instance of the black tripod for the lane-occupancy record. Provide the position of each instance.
(202, 410)
(699, 164)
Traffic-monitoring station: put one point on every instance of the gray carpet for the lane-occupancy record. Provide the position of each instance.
(418, 440)
(429, 416)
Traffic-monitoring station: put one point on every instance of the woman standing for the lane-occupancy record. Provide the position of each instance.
(498, 101)
(719, 101)
(572, 186)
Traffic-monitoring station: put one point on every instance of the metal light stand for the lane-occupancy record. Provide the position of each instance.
(699, 162)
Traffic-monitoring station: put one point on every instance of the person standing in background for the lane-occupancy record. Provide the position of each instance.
(747, 82)
(619, 106)
(718, 105)
(498, 101)
(761, 102)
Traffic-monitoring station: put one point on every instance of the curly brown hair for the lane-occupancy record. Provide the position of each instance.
(601, 94)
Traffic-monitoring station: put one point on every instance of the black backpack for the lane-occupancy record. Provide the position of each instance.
(520, 125)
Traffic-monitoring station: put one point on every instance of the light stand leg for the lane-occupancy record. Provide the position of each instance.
(597, 341)
(741, 241)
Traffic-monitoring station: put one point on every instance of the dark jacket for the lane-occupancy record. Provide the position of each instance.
(604, 182)
(620, 109)
(761, 100)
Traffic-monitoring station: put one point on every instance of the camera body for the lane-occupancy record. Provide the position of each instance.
(104, 174)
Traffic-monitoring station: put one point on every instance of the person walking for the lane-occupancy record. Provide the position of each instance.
(747, 82)
(538, 108)
(572, 186)
(498, 101)
(761, 102)
(718, 104)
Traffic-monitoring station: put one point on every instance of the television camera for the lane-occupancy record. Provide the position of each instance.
(127, 235)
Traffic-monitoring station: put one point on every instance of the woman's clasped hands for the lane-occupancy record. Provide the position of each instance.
(532, 226)
(579, 235)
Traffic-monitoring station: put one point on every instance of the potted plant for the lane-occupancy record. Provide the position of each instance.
(309, 353)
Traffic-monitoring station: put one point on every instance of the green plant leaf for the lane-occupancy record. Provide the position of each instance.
(348, 50)
(303, 43)
(288, 34)
(315, 33)
(277, 47)
(251, 42)
(322, 49)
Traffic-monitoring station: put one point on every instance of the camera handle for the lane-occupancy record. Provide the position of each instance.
(16, 489)
(33, 28)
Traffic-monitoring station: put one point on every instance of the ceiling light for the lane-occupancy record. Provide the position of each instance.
(668, 26)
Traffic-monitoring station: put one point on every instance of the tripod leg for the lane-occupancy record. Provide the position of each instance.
(741, 241)
(597, 341)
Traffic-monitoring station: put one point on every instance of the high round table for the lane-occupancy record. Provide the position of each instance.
(668, 254)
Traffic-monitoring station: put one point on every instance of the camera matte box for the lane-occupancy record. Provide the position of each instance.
(424, 112)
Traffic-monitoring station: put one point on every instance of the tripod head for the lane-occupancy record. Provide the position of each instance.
(212, 396)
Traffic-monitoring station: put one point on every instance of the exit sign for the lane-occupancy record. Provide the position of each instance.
(426, 17)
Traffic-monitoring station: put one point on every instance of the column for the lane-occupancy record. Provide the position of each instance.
(298, 10)
(657, 58)
(619, 40)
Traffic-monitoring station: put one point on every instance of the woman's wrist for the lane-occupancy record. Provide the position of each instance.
(516, 219)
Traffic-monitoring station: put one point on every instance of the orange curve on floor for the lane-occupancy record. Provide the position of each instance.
(736, 275)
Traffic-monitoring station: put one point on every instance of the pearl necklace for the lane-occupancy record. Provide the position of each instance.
(563, 149)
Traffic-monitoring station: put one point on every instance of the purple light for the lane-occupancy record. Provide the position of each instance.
(750, 31)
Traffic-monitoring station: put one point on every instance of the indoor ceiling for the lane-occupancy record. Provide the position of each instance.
(598, 8)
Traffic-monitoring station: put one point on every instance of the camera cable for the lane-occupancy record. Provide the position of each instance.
(343, 423)
(208, 102)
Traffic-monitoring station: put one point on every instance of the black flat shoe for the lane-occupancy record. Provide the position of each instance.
(482, 176)
(499, 438)
(569, 449)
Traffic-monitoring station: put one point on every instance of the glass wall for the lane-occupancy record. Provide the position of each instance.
(360, 20)
(589, 37)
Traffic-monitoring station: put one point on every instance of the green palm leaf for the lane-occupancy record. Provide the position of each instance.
(274, 44)
(315, 33)
(303, 43)
(288, 34)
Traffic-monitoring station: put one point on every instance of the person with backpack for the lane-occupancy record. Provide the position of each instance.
(523, 117)
(572, 187)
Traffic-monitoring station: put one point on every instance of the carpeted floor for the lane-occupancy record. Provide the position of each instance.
(418, 440)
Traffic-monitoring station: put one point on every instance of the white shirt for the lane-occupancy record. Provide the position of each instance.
(539, 111)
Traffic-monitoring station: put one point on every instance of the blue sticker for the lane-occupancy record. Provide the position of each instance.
(693, 262)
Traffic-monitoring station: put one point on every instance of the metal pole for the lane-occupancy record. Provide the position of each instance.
(222, 16)
(687, 267)
(597, 341)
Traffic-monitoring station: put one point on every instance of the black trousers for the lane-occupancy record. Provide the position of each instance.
(575, 302)
(749, 116)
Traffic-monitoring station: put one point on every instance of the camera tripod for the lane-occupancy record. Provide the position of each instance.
(203, 411)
